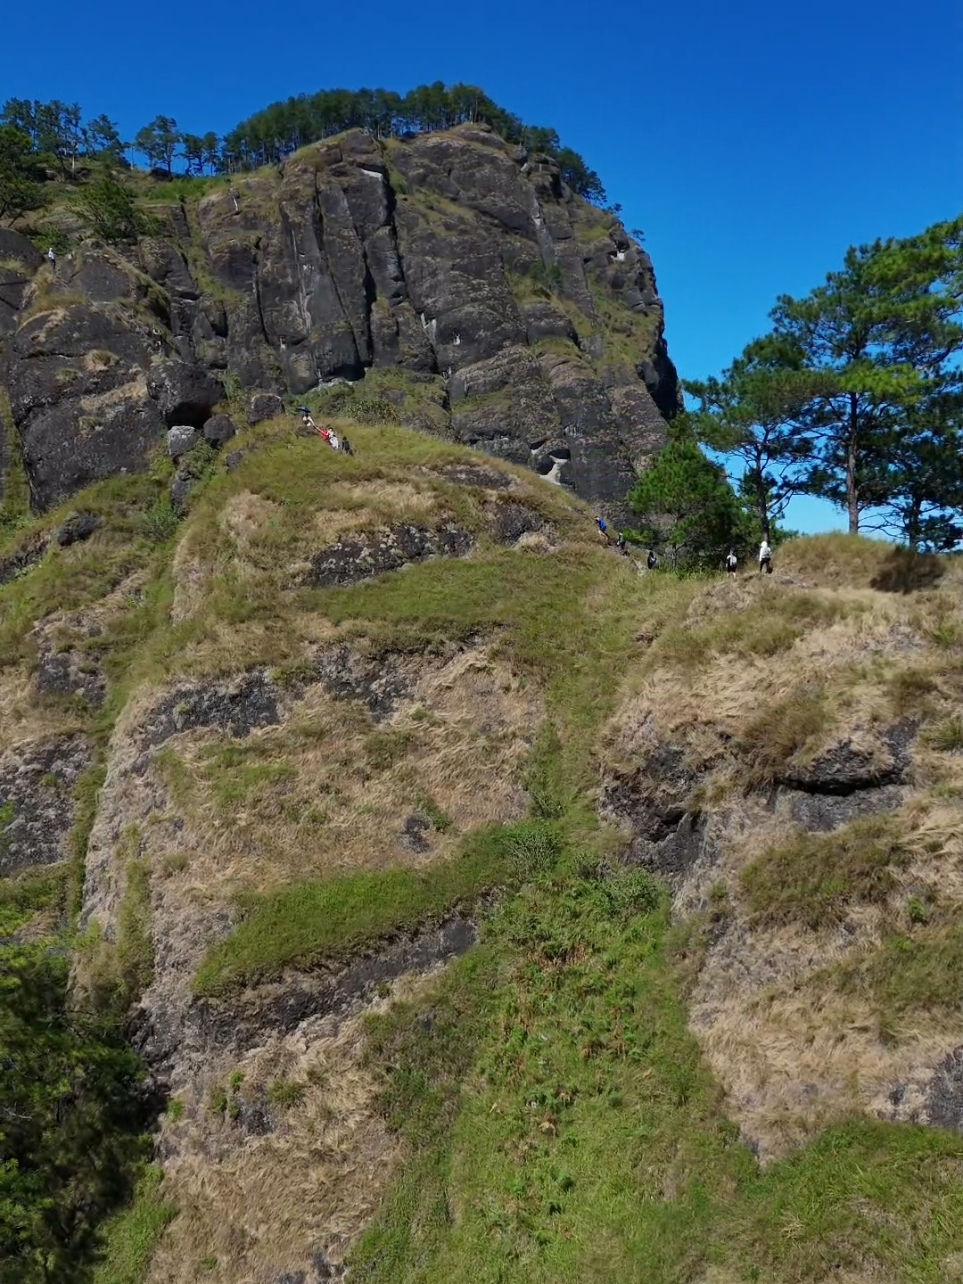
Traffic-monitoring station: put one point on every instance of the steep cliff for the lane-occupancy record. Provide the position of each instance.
(453, 277)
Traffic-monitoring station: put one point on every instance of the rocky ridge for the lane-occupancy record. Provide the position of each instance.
(453, 278)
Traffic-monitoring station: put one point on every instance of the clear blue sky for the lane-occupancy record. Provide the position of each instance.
(753, 142)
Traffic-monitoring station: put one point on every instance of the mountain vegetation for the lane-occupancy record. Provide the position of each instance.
(58, 132)
(856, 394)
(399, 881)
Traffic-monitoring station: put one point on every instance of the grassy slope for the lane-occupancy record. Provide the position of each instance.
(560, 1123)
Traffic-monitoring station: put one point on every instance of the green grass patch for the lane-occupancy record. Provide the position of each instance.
(285, 1093)
(947, 736)
(909, 974)
(561, 1127)
(115, 974)
(814, 879)
(131, 1236)
(306, 923)
(32, 893)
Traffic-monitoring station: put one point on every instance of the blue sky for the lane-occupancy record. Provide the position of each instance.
(753, 142)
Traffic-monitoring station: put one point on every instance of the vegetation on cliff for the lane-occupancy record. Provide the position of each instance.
(303, 778)
(35, 134)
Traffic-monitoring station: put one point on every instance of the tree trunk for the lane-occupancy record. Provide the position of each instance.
(852, 496)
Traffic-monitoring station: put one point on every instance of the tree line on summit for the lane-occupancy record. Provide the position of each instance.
(56, 133)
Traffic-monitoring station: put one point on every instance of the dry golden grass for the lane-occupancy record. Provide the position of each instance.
(330, 790)
(794, 1046)
(252, 1207)
(793, 1050)
(22, 718)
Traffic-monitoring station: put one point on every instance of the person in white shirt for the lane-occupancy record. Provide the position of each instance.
(731, 562)
(765, 557)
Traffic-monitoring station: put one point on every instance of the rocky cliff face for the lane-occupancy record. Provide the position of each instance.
(452, 275)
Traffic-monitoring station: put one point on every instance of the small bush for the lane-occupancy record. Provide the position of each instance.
(770, 740)
(160, 521)
(286, 1093)
(910, 691)
(634, 891)
(946, 736)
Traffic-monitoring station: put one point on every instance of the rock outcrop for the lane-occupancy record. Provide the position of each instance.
(527, 317)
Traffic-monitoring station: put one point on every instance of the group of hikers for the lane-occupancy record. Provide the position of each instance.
(325, 433)
(621, 544)
(651, 561)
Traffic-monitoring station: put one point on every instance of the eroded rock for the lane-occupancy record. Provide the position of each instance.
(352, 560)
(37, 806)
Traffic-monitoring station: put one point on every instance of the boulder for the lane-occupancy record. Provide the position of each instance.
(264, 405)
(184, 394)
(78, 527)
(69, 446)
(219, 430)
(180, 439)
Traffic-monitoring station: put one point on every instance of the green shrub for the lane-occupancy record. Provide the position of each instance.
(160, 521)
(947, 736)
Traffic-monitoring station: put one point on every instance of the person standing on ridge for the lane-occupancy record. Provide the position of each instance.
(731, 562)
(765, 557)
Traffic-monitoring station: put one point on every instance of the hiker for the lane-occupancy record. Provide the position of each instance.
(324, 432)
(601, 523)
(652, 561)
(333, 441)
(346, 446)
(731, 562)
(306, 420)
(765, 557)
(52, 257)
(621, 545)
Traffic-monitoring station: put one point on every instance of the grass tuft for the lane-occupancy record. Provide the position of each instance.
(131, 1236)
(815, 879)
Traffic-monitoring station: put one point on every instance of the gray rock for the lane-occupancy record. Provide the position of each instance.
(352, 560)
(264, 405)
(78, 527)
(323, 270)
(180, 439)
(219, 430)
(37, 802)
(184, 394)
